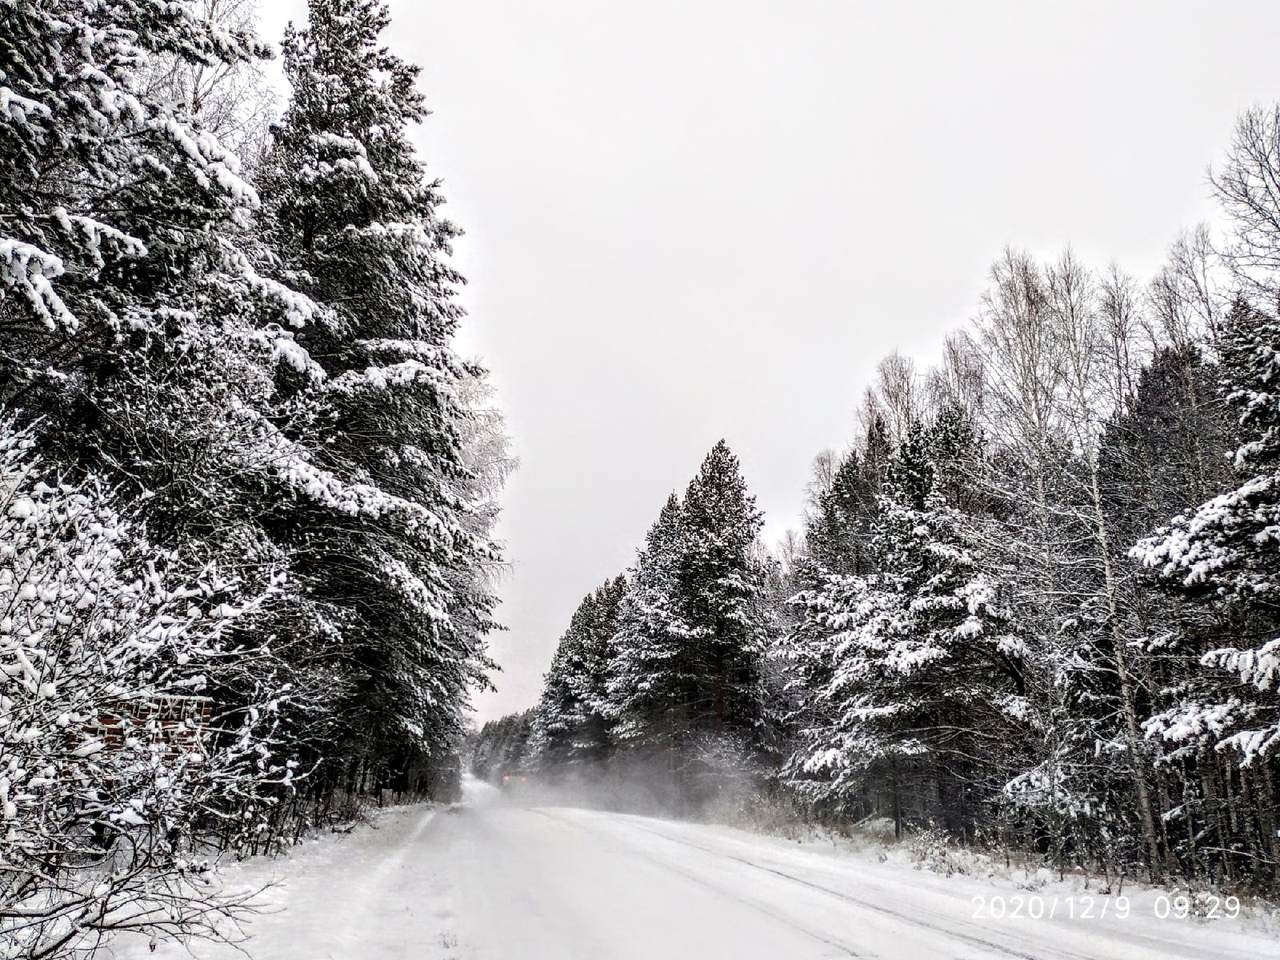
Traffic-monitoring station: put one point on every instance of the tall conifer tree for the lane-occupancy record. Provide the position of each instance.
(383, 541)
(921, 674)
(685, 677)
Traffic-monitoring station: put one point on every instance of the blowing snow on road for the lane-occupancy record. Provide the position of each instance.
(492, 880)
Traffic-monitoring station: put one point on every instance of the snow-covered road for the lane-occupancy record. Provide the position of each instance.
(495, 881)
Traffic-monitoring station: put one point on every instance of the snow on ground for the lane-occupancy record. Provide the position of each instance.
(492, 880)
(375, 893)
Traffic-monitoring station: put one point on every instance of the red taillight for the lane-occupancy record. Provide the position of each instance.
(522, 779)
(506, 776)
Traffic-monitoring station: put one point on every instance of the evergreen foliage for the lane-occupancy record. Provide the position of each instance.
(381, 536)
(572, 729)
(659, 676)
(500, 748)
(242, 459)
(1034, 602)
(921, 671)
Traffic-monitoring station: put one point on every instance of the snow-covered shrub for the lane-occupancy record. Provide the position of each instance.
(111, 752)
(932, 850)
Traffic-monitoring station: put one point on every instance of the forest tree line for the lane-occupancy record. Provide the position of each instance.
(247, 487)
(1035, 600)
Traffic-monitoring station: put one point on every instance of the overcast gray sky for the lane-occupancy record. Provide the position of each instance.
(694, 219)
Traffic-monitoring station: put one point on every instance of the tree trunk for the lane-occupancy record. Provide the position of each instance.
(1133, 731)
(1267, 821)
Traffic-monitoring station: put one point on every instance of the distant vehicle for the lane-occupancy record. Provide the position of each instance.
(511, 781)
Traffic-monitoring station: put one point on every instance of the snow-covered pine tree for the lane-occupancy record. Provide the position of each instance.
(108, 195)
(1162, 457)
(685, 677)
(841, 509)
(923, 678)
(1225, 551)
(1215, 709)
(571, 728)
(138, 337)
(351, 220)
(645, 702)
(501, 747)
(125, 300)
(557, 717)
(720, 587)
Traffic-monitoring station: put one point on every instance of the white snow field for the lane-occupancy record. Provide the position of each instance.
(494, 881)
